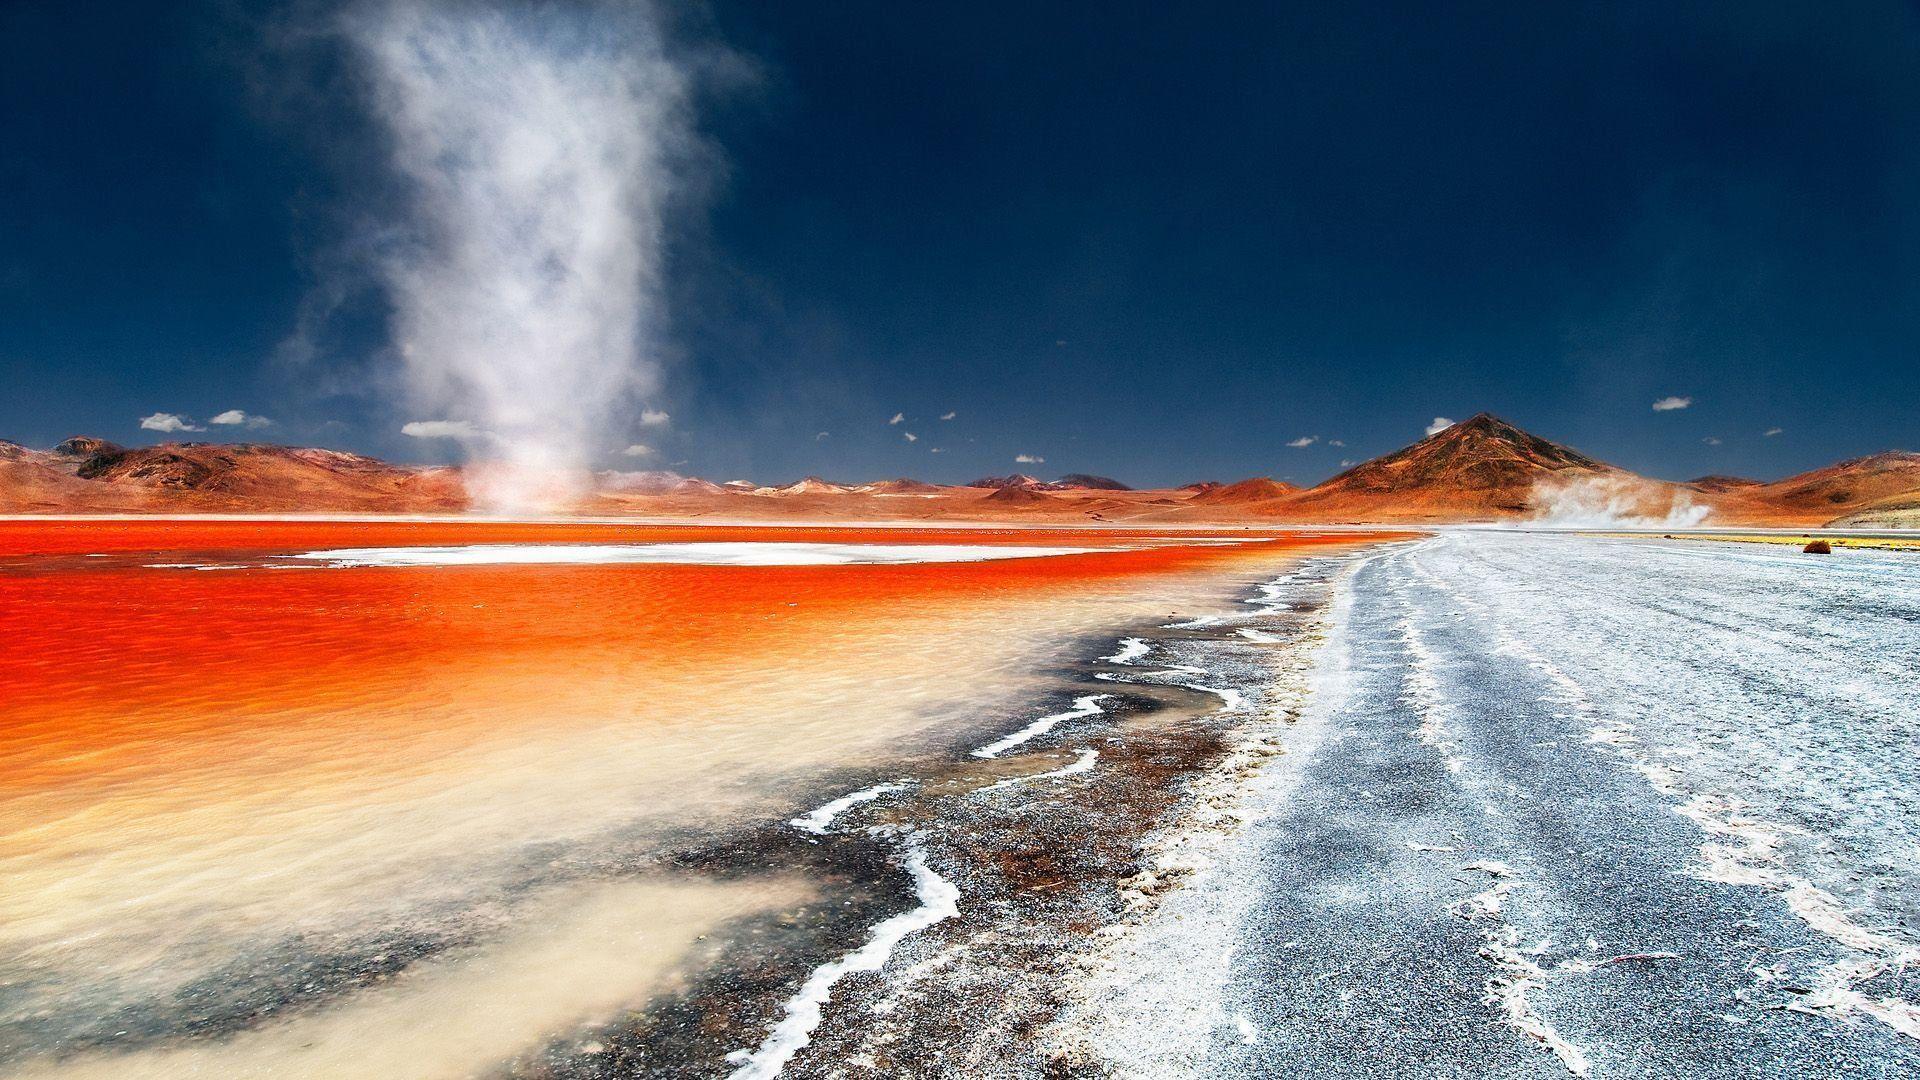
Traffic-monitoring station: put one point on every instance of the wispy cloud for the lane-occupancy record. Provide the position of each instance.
(1030, 459)
(819, 436)
(911, 437)
(898, 418)
(166, 421)
(948, 415)
(1669, 404)
(640, 450)
(655, 418)
(1336, 442)
(237, 418)
(1711, 440)
(440, 429)
(1303, 441)
(1771, 432)
(1347, 464)
(936, 450)
(1440, 424)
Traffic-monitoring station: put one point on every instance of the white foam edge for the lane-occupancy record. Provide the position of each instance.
(939, 901)
(1082, 707)
(817, 820)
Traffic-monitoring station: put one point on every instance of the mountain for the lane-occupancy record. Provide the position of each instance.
(693, 485)
(1479, 468)
(1846, 486)
(1017, 480)
(1089, 482)
(39, 481)
(1069, 482)
(1877, 490)
(902, 486)
(1719, 484)
(90, 474)
(810, 485)
(1259, 489)
(86, 446)
(642, 482)
(1014, 495)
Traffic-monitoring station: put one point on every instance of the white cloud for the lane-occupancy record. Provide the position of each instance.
(236, 417)
(936, 450)
(1668, 404)
(1711, 440)
(655, 418)
(898, 418)
(440, 429)
(1440, 424)
(911, 437)
(823, 435)
(949, 415)
(1336, 442)
(640, 450)
(166, 421)
(1303, 441)
(1030, 459)
(1346, 464)
(1771, 432)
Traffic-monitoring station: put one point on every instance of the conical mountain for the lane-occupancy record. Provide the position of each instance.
(1481, 466)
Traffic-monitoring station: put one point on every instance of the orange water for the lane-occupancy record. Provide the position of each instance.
(197, 768)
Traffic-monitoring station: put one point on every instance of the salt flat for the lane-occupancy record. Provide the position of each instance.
(1565, 804)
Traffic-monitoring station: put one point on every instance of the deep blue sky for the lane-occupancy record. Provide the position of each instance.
(1157, 241)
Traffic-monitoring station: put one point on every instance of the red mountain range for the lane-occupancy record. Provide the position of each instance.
(1480, 469)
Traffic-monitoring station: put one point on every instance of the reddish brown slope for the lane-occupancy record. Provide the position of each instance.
(1720, 485)
(91, 475)
(1259, 489)
(1848, 484)
(1857, 487)
(1480, 468)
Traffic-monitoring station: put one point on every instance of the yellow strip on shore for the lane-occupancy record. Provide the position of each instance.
(1882, 543)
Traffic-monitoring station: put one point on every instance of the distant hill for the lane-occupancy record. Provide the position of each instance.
(810, 485)
(85, 473)
(1848, 485)
(902, 486)
(1089, 482)
(1069, 482)
(1481, 467)
(1484, 468)
(1717, 484)
(1878, 489)
(1256, 490)
(1016, 480)
(655, 482)
(86, 446)
(1015, 495)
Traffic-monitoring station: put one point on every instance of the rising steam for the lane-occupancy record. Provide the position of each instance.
(537, 148)
(1613, 502)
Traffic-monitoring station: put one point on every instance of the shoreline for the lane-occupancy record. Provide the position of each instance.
(1050, 860)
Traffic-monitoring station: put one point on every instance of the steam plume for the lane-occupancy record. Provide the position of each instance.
(536, 145)
(1613, 502)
